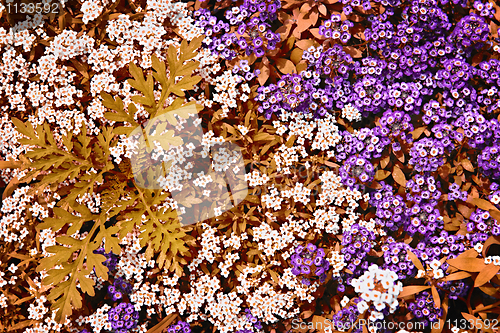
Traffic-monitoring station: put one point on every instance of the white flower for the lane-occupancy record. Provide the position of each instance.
(12, 268)
(420, 274)
(362, 306)
(478, 247)
(344, 301)
(243, 129)
(218, 211)
(438, 273)
(435, 264)
(375, 295)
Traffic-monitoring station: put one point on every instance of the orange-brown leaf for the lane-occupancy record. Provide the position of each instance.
(481, 203)
(476, 322)
(304, 44)
(467, 165)
(490, 241)
(381, 174)
(313, 16)
(399, 176)
(264, 74)
(417, 132)
(486, 274)
(321, 323)
(467, 264)
(410, 290)
(435, 296)
(303, 24)
(415, 260)
(457, 276)
(315, 33)
(385, 161)
(296, 55)
(354, 52)
(495, 214)
(322, 9)
(285, 66)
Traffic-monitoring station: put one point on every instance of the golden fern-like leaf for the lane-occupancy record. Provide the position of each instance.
(65, 294)
(146, 87)
(85, 160)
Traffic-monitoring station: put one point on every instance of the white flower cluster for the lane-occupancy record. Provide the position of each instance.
(3, 300)
(255, 178)
(286, 157)
(234, 241)
(337, 263)
(272, 199)
(228, 263)
(131, 264)
(434, 269)
(299, 193)
(143, 296)
(495, 260)
(12, 219)
(270, 240)
(203, 179)
(210, 246)
(92, 201)
(243, 129)
(322, 133)
(99, 319)
(37, 309)
(380, 287)
(351, 113)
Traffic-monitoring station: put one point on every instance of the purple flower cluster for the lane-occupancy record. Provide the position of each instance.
(119, 287)
(309, 261)
(480, 226)
(356, 168)
(244, 70)
(111, 258)
(470, 31)
(179, 327)
(489, 161)
(479, 131)
(286, 95)
(330, 62)
(396, 124)
(485, 9)
(435, 112)
(422, 195)
(434, 247)
(356, 243)
(345, 318)
(335, 28)
(454, 193)
(253, 34)
(424, 309)
(348, 4)
(373, 142)
(427, 155)
(427, 18)
(406, 95)
(397, 260)
(455, 73)
(456, 288)
(390, 208)
(123, 317)
(255, 322)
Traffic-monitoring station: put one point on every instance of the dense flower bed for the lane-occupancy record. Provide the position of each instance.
(369, 135)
